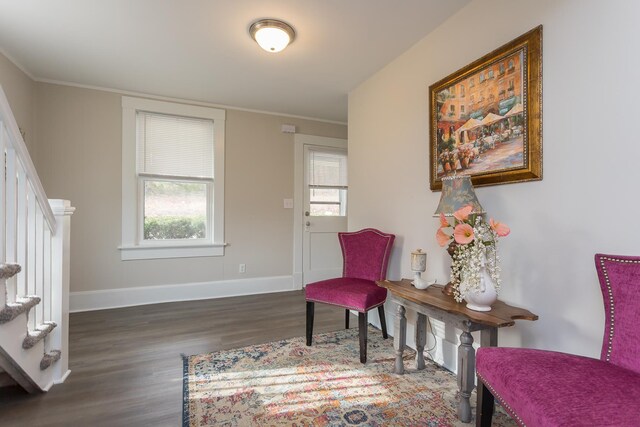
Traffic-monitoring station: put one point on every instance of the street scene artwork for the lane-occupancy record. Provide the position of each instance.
(480, 119)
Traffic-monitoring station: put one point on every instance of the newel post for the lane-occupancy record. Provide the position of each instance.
(60, 245)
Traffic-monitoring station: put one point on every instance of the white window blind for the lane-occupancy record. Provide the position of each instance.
(327, 170)
(174, 145)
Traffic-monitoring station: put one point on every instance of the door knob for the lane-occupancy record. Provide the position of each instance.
(308, 223)
(306, 213)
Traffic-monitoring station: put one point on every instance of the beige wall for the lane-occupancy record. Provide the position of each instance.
(80, 148)
(590, 162)
(20, 91)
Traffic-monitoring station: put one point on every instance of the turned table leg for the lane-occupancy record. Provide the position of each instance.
(421, 340)
(466, 375)
(400, 338)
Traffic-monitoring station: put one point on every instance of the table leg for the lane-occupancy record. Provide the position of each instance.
(421, 340)
(400, 338)
(466, 375)
(489, 337)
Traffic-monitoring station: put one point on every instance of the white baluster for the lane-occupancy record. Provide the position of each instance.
(38, 261)
(11, 230)
(3, 201)
(21, 230)
(31, 240)
(31, 251)
(3, 204)
(47, 274)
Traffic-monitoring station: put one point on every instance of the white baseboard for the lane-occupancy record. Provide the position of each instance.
(64, 377)
(297, 280)
(127, 297)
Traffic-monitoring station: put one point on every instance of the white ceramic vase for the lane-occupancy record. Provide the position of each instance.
(482, 299)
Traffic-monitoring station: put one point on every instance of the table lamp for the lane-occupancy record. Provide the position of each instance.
(457, 192)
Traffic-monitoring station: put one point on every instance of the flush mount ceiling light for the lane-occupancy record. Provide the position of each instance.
(272, 35)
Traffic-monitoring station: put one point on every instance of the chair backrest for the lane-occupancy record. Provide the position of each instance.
(620, 284)
(366, 253)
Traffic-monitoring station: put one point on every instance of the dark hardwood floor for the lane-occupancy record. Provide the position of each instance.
(126, 365)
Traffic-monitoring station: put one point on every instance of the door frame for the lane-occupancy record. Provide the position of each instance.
(300, 141)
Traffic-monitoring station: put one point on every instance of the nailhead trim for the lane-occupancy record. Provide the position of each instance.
(504, 404)
(610, 295)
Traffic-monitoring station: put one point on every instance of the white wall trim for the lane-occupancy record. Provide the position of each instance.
(128, 253)
(171, 99)
(127, 297)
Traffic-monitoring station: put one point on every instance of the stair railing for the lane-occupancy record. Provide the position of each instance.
(35, 234)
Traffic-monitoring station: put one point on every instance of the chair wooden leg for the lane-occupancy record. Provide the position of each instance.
(346, 318)
(484, 405)
(383, 322)
(310, 309)
(363, 326)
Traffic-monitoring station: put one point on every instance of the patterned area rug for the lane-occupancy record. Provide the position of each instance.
(286, 383)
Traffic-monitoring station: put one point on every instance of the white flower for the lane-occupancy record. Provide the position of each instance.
(470, 259)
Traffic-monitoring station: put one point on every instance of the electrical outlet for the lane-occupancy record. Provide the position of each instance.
(242, 268)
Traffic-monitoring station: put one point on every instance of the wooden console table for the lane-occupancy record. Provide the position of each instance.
(433, 303)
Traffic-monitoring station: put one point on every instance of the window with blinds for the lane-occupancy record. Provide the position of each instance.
(175, 168)
(173, 145)
(327, 182)
(172, 180)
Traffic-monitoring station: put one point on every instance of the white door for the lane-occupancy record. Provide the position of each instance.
(324, 211)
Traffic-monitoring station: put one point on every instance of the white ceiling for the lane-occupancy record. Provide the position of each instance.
(201, 50)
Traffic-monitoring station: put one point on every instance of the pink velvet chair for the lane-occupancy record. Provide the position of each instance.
(365, 256)
(545, 388)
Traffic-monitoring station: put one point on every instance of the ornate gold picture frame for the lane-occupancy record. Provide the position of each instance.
(485, 120)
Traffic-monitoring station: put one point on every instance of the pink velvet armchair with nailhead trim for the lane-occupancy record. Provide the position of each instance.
(365, 256)
(543, 388)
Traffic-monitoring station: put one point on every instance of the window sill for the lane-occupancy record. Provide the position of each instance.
(129, 253)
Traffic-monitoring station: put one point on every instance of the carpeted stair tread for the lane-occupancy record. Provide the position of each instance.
(49, 359)
(12, 310)
(34, 337)
(7, 271)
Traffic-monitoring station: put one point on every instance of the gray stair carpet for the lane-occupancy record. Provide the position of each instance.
(12, 310)
(34, 337)
(49, 359)
(9, 270)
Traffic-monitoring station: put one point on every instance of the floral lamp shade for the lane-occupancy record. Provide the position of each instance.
(457, 192)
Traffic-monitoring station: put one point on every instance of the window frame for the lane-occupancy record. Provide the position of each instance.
(343, 190)
(209, 193)
(133, 245)
(341, 202)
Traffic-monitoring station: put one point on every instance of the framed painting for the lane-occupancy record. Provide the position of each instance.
(485, 120)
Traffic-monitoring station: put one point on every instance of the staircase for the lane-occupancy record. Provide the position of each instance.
(34, 269)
